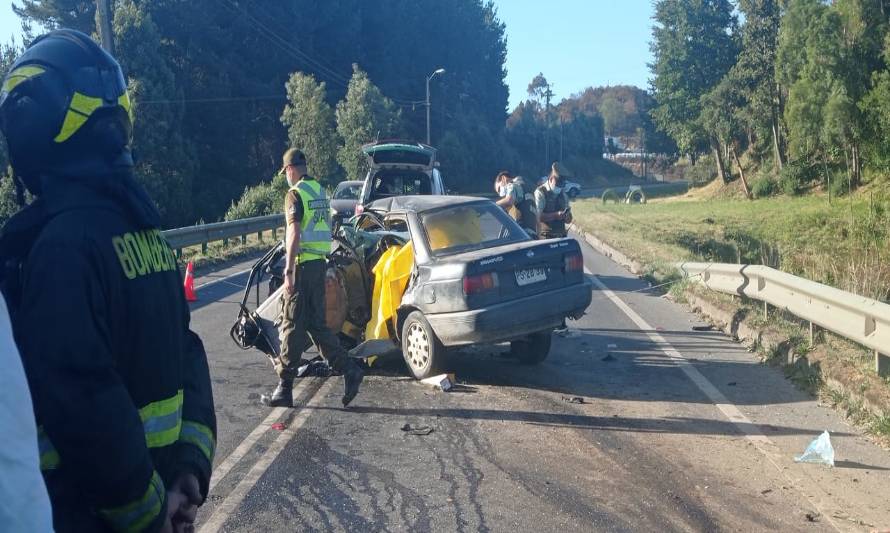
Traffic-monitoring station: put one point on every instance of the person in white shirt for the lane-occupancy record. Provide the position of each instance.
(24, 502)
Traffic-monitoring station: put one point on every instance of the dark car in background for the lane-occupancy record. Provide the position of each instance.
(344, 200)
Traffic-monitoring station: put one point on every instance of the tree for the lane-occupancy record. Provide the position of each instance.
(694, 47)
(613, 113)
(165, 158)
(754, 73)
(311, 126)
(363, 116)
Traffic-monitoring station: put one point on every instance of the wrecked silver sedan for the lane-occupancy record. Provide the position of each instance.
(428, 273)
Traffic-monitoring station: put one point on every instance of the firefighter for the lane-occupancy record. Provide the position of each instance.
(307, 243)
(120, 385)
(553, 206)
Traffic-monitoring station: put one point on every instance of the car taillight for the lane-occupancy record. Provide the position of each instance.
(480, 283)
(359, 209)
(574, 262)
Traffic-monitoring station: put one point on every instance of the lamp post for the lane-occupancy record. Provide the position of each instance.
(430, 77)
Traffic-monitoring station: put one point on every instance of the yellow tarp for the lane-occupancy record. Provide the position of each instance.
(454, 227)
(391, 275)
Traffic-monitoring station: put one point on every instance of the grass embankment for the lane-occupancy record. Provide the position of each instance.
(219, 253)
(845, 244)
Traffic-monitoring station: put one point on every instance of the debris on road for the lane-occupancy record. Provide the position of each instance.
(819, 451)
(266, 399)
(609, 358)
(317, 367)
(279, 426)
(444, 382)
(813, 517)
(766, 491)
(573, 399)
(703, 328)
(732, 384)
(420, 431)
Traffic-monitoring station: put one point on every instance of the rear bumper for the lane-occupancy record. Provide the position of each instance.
(511, 320)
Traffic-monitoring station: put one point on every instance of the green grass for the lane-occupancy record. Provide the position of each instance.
(845, 244)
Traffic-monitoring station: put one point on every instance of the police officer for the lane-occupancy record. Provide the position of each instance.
(553, 206)
(514, 199)
(307, 242)
(553, 214)
(120, 385)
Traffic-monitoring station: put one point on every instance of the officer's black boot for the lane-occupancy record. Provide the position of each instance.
(283, 395)
(352, 376)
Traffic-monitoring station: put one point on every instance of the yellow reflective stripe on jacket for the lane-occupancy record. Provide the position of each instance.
(49, 456)
(138, 515)
(162, 421)
(82, 106)
(200, 436)
(19, 75)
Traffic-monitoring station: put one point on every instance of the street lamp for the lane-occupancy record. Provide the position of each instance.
(430, 77)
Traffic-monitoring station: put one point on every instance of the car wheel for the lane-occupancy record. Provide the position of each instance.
(533, 349)
(421, 348)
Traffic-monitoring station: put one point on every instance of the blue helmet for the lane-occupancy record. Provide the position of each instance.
(64, 110)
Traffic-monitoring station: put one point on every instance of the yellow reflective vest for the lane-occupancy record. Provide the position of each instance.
(315, 226)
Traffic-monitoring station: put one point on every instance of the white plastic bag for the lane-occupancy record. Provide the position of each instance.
(819, 451)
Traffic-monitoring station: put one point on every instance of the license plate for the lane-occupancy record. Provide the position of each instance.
(531, 275)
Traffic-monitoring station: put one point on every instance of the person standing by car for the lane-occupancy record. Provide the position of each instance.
(516, 201)
(553, 214)
(553, 207)
(307, 243)
(121, 388)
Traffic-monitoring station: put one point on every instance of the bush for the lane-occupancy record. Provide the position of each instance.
(763, 187)
(703, 172)
(795, 176)
(263, 199)
(840, 185)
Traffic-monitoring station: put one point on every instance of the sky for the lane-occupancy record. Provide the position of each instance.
(575, 43)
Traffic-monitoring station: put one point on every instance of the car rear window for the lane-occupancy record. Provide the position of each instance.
(469, 227)
(389, 183)
(347, 192)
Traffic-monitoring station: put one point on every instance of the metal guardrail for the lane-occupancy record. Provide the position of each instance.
(857, 318)
(202, 234)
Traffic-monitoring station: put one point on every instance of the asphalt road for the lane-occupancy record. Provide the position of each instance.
(679, 429)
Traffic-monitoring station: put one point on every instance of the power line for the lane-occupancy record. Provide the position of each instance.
(300, 55)
(221, 99)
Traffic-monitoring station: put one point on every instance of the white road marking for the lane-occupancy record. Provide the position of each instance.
(220, 472)
(234, 499)
(226, 279)
(729, 410)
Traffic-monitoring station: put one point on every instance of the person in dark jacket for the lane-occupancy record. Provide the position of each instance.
(120, 385)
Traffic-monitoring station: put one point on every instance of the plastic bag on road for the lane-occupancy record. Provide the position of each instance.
(819, 451)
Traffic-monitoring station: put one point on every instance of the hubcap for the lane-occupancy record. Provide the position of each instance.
(418, 346)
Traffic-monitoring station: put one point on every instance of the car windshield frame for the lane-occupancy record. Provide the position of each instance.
(517, 234)
(355, 187)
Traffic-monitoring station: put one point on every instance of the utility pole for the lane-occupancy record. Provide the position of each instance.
(430, 77)
(547, 96)
(103, 24)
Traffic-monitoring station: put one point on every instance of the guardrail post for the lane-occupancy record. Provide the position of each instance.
(204, 248)
(812, 334)
(259, 236)
(882, 364)
(765, 310)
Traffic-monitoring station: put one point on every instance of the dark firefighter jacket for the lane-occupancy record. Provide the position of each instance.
(120, 385)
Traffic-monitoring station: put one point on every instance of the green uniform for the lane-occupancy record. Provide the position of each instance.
(303, 311)
(548, 202)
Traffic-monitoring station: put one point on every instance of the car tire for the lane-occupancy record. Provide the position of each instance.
(422, 350)
(533, 349)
